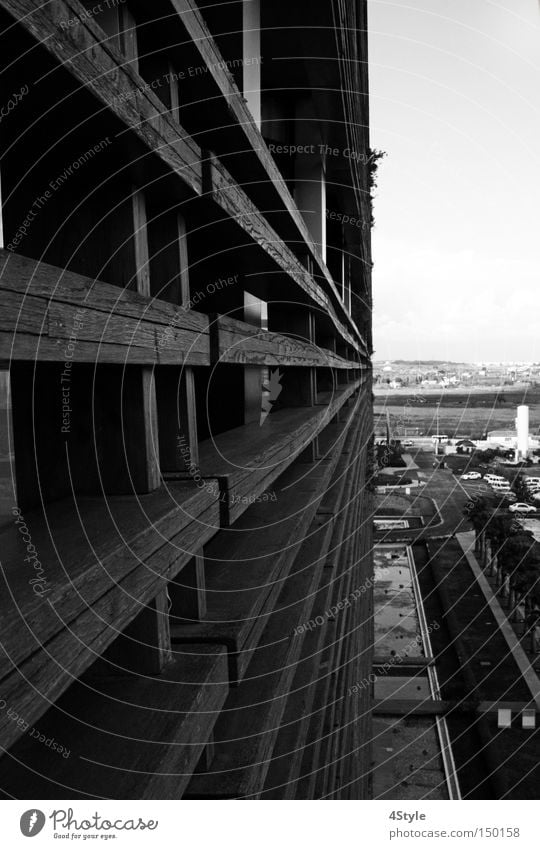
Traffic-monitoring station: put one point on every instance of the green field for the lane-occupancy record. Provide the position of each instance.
(459, 413)
(499, 398)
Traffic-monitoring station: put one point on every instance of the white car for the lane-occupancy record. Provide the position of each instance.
(471, 476)
(520, 507)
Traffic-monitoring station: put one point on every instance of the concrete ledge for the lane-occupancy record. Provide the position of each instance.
(409, 707)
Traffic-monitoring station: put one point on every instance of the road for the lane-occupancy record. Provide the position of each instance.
(450, 496)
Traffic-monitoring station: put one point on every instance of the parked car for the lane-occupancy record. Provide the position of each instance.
(520, 507)
(408, 444)
(471, 476)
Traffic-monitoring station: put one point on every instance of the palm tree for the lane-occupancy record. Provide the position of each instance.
(520, 565)
(479, 511)
(498, 529)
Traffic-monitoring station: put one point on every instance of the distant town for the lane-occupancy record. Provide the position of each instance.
(433, 374)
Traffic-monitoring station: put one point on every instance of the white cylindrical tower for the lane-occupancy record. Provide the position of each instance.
(522, 428)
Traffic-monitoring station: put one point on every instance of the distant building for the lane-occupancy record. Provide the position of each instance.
(465, 446)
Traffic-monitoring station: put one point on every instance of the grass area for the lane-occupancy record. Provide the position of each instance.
(459, 413)
(455, 421)
(460, 463)
(404, 505)
(497, 398)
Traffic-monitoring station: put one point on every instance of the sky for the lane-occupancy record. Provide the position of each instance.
(455, 103)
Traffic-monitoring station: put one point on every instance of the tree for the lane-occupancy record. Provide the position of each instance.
(499, 529)
(479, 511)
(520, 562)
(520, 489)
(484, 456)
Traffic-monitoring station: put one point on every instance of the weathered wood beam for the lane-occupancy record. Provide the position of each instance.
(93, 556)
(128, 737)
(248, 460)
(47, 305)
(239, 343)
(145, 456)
(44, 307)
(144, 647)
(187, 592)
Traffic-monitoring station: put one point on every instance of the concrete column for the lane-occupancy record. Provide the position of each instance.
(8, 495)
(310, 174)
(253, 375)
(1, 216)
(310, 196)
(251, 55)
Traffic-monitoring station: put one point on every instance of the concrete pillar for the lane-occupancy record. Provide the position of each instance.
(8, 495)
(251, 54)
(253, 375)
(310, 196)
(1, 216)
(310, 176)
